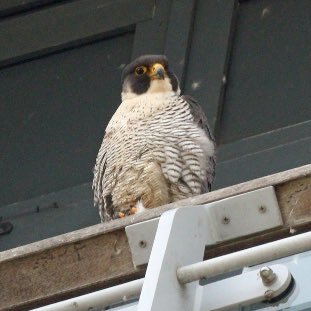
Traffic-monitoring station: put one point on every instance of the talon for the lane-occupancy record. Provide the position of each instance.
(133, 210)
(121, 215)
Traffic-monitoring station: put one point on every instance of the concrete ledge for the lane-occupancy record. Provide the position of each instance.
(99, 256)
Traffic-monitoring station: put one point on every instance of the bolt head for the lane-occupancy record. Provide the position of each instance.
(269, 294)
(142, 243)
(267, 275)
(225, 220)
(262, 209)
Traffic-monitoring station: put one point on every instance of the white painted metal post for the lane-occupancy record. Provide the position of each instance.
(180, 240)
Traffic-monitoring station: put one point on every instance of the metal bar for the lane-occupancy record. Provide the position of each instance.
(99, 298)
(247, 257)
(190, 273)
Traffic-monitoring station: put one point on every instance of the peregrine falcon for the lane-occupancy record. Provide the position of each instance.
(157, 147)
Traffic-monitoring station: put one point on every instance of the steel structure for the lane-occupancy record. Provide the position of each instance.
(175, 264)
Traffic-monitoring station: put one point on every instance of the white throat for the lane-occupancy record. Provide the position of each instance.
(139, 107)
(156, 86)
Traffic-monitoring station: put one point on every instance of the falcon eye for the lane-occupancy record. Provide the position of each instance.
(140, 70)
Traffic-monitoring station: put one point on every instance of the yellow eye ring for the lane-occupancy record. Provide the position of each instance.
(140, 70)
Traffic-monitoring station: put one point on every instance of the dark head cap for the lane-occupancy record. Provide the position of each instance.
(138, 76)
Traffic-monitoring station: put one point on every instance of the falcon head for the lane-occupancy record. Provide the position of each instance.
(148, 74)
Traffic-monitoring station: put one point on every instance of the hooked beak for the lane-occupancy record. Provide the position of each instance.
(157, 72)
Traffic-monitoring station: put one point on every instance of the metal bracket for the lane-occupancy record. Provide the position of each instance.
(242, 290)
(236, 292)
(140, 237)
(227, 219)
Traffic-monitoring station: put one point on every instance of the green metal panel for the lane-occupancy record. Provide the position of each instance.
(53, 114)
(10, 7)
(269, 79)
(48, 215)
(150, 35)
(64, 26)
(269, 140)
(178, 38)
(208, 58)
(265, 162)
(265, 122)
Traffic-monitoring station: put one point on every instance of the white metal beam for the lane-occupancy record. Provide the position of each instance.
(248, 257)
(98, 299)
(180, 240)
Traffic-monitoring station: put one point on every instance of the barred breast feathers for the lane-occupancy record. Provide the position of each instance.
(162, 127)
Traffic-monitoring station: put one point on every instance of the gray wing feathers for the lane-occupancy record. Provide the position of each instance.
(102, 200)
(198, 115)
(200, 118)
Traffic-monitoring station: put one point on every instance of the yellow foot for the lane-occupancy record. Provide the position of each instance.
(133, 210)
(121, 215)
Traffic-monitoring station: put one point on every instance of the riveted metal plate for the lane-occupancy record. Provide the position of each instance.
(245, 214)
(141, 237)
(230, 218)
